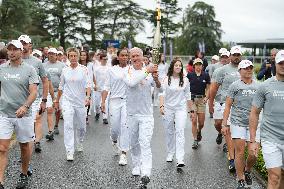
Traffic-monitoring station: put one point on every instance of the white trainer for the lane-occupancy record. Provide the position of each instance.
(116, 149)
(122, 160)
(170, 158)
(80, 147)
(136, 171)
(70, 156)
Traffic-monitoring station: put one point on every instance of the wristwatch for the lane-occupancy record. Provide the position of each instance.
(44, 100)
(27, 106)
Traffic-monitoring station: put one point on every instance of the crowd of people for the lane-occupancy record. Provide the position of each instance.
(73, 83)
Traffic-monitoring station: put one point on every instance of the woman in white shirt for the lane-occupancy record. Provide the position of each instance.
(173, 106)
(76, 95)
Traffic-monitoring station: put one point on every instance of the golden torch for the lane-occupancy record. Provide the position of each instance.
(157, 36)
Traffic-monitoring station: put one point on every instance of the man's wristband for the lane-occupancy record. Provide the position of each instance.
(161, 106)
(191, 111)
(88, 97)
(44, 100)
(228, 126)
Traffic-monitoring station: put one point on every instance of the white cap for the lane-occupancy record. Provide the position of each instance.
(52, 50)
(225, 53)
(197, 60)
(215, 57)
(222, 50)
(38, 52)
(60, 52)
(16, 43)
(279, 56)
(236, 50)
(25, 38)
(244, 64)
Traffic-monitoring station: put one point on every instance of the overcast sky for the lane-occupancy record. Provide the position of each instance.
(241, 19)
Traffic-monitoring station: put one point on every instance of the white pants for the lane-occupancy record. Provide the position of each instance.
(174, 123)
(156, 96)
(141, 131)
(74, 117)
(97, 103)
(117, 118)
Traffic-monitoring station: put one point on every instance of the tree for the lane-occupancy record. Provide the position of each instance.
(126, 17)
(62, 18)
(199, 25)
(15, 16)
(170, 10)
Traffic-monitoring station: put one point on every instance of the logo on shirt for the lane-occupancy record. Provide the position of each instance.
(278, 94)
(248, 92)
(9, 76)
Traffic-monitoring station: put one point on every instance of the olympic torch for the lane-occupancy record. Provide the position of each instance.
(157, 36)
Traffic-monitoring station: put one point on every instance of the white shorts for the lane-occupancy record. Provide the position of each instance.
(23, 127)
(273, 154)
(218, 110)
(238, 132)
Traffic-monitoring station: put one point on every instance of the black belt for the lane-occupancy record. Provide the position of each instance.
(197, 96)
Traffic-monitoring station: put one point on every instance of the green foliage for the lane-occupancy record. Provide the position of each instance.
(199, 25)
(15, 17)
(170, 10)
(259, 165)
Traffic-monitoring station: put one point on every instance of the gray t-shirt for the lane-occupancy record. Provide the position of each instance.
(242, 95)
(225, 77)
(55, 70)
(14, 90)
(270, 97)
(213, 79)
(37, 64)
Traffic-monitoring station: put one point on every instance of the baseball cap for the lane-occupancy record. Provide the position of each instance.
(222, 50)
(16, 43)
(197, 60)
(60, 52)
(279, 56)
(244, 64)
(236, 50)
(225, 53)
(52, 50)
(38, 52)
(25, 38)
(215, 57)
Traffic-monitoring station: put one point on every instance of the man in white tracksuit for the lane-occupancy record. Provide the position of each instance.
(116, 87)
(100, 73)
(140, 118)
(75, 96)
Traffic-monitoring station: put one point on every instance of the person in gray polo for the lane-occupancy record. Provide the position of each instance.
(39, 105)
(17, 92)
(270, 99)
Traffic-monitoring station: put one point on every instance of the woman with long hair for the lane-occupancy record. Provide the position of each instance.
(84, 60)
(174, 101)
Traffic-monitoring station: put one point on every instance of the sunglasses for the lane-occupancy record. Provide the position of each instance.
(236, 54)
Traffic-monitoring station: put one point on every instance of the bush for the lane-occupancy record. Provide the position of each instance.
(260, 165)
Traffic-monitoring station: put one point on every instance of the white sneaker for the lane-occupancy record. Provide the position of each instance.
(70, 156)
(170, 158)
(80, 147)
(136, 171)
(180, 164)
(122, 160)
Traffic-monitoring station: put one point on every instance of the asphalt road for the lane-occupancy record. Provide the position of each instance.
(97, 167)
